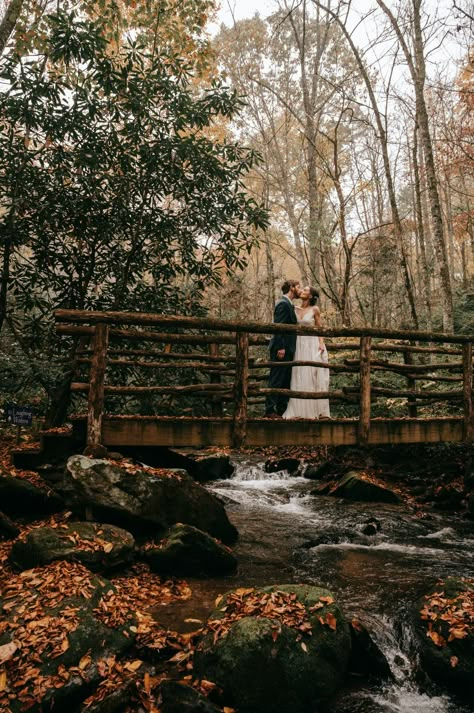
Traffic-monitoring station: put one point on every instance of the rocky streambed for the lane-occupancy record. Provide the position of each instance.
(340, 594)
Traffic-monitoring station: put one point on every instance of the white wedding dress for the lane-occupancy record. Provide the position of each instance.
(308, 378)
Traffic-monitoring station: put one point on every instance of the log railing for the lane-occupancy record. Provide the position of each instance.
(231, 356)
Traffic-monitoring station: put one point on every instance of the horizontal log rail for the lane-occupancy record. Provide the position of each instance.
(223, 352)
(146, 319)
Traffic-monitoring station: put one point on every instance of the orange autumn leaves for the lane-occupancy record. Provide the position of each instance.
(449, 618)
(283, 608)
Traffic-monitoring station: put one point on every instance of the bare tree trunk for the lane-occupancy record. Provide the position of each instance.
(9, 21)
(386, 160)
(417, 69)
(420, 229)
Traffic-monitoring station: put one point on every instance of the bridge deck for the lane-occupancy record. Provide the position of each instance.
(201, 432)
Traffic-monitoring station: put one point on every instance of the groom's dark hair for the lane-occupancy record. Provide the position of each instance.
(288, 284)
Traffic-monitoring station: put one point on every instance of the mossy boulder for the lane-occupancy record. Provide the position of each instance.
(264, 664)
(60, 644)
(98, 547)
(353, 486)
(444, 628)
(187, 551)
(143, 500)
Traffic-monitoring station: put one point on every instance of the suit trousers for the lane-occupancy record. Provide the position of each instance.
(279, 378)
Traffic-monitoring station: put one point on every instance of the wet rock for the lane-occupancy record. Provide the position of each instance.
(60, 630)
(290, 672)
(187, 551)
(447, 663)
(371, 527)
(179, 698)
(273, 465)
(98, 547)
(354, 487)
(318, 471)
(366, 657)
(8, 529)
(143, 501)
(215, 467)
(20, 498)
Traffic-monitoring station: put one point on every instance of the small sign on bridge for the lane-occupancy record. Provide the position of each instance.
(18, 415)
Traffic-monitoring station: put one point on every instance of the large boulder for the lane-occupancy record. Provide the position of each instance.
(444, 629)
(283, 648)
(187, 551)
(98, 547)
(143, 500)
(354, 486)
(22, 498)
(54, 644)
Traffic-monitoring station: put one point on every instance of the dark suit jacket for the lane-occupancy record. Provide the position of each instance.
(284, 314)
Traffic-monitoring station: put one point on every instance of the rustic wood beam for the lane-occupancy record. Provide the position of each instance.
(73, 330)
(409, 368)
(403, 394)
(148, 319)
(95, 407)
(130, 390)
(216, 403)
(467, 393)
(241, 388)
(365, 391)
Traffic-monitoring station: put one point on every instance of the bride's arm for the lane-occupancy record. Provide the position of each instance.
(319, 323)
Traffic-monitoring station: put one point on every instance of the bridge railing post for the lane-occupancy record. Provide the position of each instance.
(95, 408)
(241, 388)
(411, 384)
(216, 403)
(365, 399)
(468, 430)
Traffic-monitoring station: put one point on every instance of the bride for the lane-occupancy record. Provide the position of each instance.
(309, 378)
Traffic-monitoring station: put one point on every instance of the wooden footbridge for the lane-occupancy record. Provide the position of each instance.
(153, 379)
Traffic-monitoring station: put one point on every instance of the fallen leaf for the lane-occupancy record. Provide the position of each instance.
(326, 600)
(304, 647)
(454, 661)
(3, 680)
(331, 621)
(7, 651)
(108, 547)
(84, 662)
(133, 665)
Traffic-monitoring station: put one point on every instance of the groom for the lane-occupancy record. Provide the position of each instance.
(282, 348)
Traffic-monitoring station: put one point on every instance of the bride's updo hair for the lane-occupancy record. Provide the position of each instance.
(313, 300)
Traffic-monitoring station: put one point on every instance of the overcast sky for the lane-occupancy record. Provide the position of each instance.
(447, 55)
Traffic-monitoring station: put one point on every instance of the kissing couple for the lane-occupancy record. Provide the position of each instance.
(290, 347)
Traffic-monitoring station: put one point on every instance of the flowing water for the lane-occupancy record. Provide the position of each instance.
(288, 534)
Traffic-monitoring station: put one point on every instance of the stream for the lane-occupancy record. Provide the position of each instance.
(287, 534)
